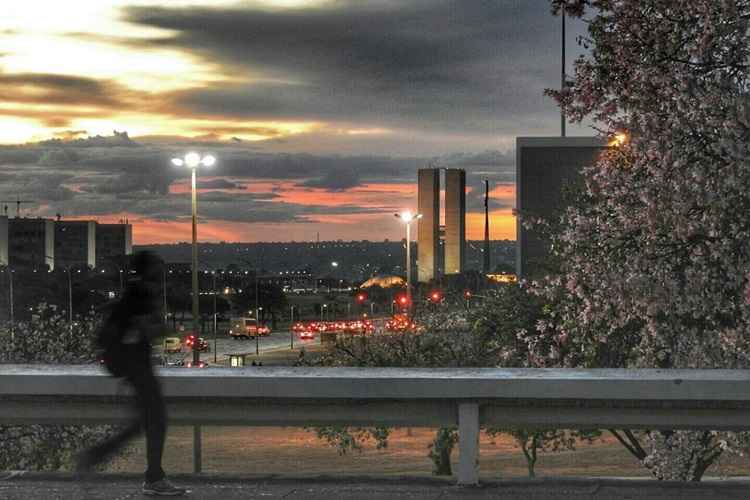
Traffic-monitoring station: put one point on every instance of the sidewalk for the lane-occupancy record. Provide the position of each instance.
(117, 486)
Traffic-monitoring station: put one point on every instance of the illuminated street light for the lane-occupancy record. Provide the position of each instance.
(193, 160)
(407, 217)
(619, 139)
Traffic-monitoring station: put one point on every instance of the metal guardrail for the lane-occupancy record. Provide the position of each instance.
(463, 397)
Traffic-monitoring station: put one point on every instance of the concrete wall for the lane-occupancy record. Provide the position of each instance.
(547, 170)
(455, 221)
(75, 243)
(428, 235)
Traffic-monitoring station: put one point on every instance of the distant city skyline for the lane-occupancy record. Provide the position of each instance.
(319, 120)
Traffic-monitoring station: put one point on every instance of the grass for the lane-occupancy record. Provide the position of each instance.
(264, 450)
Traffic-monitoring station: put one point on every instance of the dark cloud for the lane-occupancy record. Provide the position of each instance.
(321, 168)
(70, 140)
(18, 155)
(58, 157)
(336, 180)
(219, 184)
(59, 89)
(114, 174)
(462, 65)
(475, 197)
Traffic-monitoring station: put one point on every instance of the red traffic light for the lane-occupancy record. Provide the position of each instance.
(361, 297)
(435, 296)
(403, 300)
(467, 294)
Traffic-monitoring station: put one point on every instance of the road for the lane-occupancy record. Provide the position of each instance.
(226, 345)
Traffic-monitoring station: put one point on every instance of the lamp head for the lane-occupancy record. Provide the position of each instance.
(406, 216)
(192, 160)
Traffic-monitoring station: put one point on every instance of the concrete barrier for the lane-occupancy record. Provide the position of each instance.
(463, 397)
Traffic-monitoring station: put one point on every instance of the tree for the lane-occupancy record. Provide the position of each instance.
(654, 258)
(487, 335)
(48, 338)
(270, 297)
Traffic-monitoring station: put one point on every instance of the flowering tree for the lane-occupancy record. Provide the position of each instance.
(655, 264)
(48, 338)
(490, 333)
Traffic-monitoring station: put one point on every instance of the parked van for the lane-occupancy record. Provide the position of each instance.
(243, 328)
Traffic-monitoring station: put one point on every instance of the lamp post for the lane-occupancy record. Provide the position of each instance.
(193, 161)
(70, 300)
(291, 327)
(164, 286)
(335, 266)
(213, 273)
(407, 218)
(10, 304)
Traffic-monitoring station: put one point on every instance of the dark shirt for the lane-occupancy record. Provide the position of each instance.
(123, 336)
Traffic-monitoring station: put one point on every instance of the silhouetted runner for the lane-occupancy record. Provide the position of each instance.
(125, 338)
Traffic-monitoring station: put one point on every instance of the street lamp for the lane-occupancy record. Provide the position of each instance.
(213, 274)
(407, 217)
(10, 310)
(291, 327)
(193, 161)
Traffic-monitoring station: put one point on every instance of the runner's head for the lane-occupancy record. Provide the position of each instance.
(147, 265)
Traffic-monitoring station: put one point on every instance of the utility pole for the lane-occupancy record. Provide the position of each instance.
(486, 260)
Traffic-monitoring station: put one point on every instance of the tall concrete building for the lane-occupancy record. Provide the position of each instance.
(3, 240)
(112, 242)
(546, 169)
(428, 233)
(449, 253)
(455, 221)
(75, 243)
(31, 243)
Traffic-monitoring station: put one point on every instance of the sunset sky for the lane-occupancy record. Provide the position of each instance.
(319, 112)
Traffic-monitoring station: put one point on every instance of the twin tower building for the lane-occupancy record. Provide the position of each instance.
(441, 248)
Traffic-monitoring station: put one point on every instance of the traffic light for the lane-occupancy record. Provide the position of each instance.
(467, 294)
(361, 297)
(403, 300)
(435, 296)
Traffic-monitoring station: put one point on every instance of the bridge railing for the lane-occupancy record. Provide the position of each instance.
(466, 398)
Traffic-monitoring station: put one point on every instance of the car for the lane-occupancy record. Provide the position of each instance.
(200, 342)
(172, 344)
(264, 330)
(189, 364)
(306, 335)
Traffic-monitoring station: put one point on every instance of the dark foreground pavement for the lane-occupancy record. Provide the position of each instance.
(109, 486)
